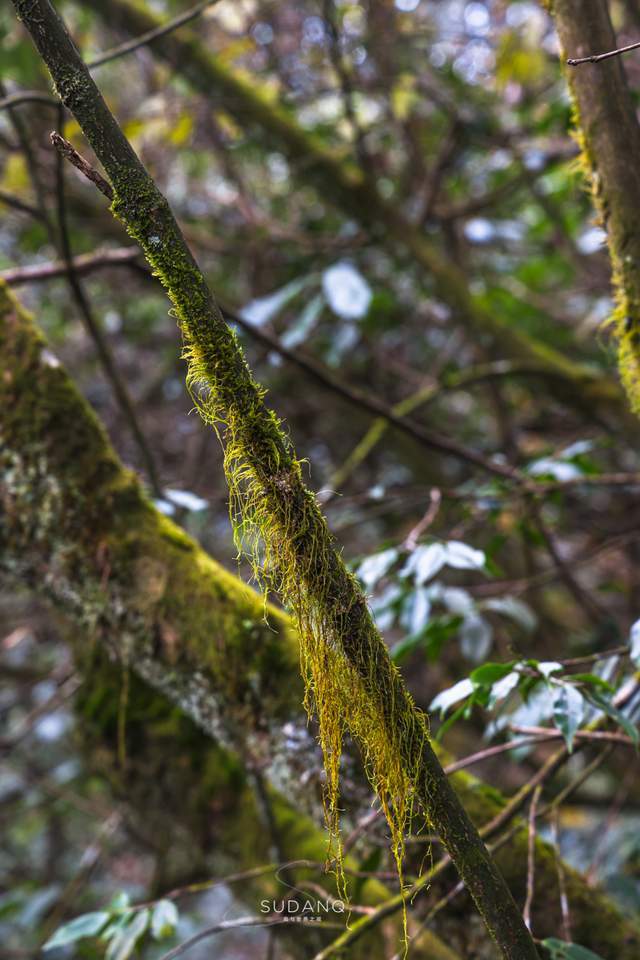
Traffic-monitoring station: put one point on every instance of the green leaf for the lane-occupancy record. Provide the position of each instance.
(374, 567)
(164, 919)
(437, 632)
(446, 698)
(449, 722)
(463, 557)
(121, 901)
(86, 925)
(568, 712)
(425, 562)
(546, 667)
(634, 641)
(124, 942)
(503, 687)
(593, 680)
(608, 708)
(511, 607)
(562, 950)
(490, 673)
(431, 639)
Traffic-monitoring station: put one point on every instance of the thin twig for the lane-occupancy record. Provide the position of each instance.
(584, 598)
(224, 925)
(121, 393)
(353, 395)
(597, 57)
(594, 657)
(619, 800)
(66, 687)
(552, 733)
(542, 736)
(435, 498)
(130, 46)
(82, 264)
(17, 204)
(27, 96)
(531, 855)
(145, 38)
(562, 886)
(69, 152)
(372, 404)
(23, 134)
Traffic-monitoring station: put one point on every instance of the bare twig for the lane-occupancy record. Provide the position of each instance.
(562, 886)
(130, 46)
(553, 734)
(619, 801)
(584, 598)
(82, 264)
(21, 205)
(27, 96)
(145, 38)
(542, 736)
(24, 137)
(594, 657)
(531, 855)
(69, 152)
(344, 77)
(121, 393)
(225, 925)
(597, 57)
(66, 687)
(435, 497)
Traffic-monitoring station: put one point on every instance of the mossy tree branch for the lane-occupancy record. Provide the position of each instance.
(343, 183)
(609, 134)
(76, 527)
(198, 807)
(351, 681)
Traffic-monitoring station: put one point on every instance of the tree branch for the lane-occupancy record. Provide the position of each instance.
(610, 134)
(596, 58)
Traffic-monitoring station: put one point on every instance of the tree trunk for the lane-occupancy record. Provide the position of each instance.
(609, 134)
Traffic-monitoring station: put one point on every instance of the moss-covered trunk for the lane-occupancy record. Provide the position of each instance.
(608, 131)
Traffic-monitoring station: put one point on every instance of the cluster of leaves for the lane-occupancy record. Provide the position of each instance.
(121, 927)
(429, 612)
(540, 690)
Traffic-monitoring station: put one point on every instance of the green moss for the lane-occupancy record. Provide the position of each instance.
(71, 509)
(349, 680)
(611, 204)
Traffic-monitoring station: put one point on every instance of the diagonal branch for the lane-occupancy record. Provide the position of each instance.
(597, 57)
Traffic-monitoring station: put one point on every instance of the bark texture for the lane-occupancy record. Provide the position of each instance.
(608, 131)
